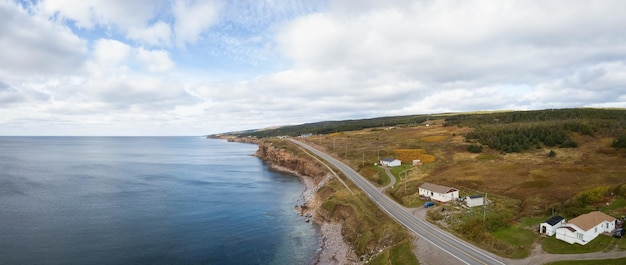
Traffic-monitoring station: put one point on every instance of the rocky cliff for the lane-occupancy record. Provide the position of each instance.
(301, 164)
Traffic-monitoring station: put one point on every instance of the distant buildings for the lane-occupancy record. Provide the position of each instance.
(390, 162)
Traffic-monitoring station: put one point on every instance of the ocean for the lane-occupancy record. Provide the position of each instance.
(147, 200)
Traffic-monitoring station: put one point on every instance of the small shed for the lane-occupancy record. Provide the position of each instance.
(475, 200)
(438, 192)
(390, 162)
(548, 227)
(417, 162)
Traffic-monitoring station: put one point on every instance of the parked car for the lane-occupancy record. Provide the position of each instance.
(429, 204)
(619, 233)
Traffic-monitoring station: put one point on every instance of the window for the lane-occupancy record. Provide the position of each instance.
(596, 230)
(579, 236)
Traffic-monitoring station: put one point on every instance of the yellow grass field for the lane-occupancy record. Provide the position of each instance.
(531, 175)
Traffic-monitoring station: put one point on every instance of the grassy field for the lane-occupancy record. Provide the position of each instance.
(530, 175)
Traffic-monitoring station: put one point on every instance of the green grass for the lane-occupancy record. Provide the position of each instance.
(600, 243)
(487, 157)
(516, 235)
(397, 170)
(590, 262)
(618, 203)
(398, 255)
(383, 179)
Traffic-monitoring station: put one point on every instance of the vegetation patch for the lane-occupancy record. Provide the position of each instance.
(620, 261)
(484, 156)
(434, 138)
(518, 237)
(557, 246)
(397, 255)
(367, 228)
(536, 184)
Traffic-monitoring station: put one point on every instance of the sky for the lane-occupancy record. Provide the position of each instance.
(196, 67)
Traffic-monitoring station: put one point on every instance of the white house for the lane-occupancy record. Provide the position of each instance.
(549, 226)
(438, 193)
(475, 200)
(390, 162)
(585, 228)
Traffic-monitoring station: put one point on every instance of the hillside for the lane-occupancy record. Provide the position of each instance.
(530, 163)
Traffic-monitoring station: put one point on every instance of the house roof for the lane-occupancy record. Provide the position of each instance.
(476, 196)
(437, 188)
(554, 220)
(388, 159)
(590, 220)
(568, 228)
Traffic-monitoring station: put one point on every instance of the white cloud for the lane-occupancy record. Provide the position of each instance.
(33, 46)
(193, 17)
(214, 66)
(157, 34)
(89, 13)
(111, 52)
(155, 60)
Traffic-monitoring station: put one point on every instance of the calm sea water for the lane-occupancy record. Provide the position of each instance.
(146, 200)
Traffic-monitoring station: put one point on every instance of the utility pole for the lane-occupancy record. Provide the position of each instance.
(334, 140)
(363, 163)
(346, 151)
(405, 176)
(485, 211)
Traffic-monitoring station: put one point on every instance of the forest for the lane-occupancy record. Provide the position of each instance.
(514, 132)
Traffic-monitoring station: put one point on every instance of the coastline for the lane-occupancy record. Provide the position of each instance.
(333, 248)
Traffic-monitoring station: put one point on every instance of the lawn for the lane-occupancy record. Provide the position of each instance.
(600, 243)
(590, 262)
(518, 236)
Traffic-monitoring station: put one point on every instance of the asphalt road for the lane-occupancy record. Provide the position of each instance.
(463, 251)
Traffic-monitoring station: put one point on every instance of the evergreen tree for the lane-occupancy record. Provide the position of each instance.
(552, 153)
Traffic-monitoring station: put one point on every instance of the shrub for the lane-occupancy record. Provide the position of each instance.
(552, 153)
(620, 142)
(475, 149)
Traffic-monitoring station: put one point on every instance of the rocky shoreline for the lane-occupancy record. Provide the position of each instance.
(333, 248)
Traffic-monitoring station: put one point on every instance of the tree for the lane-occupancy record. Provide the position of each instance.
(552, 153)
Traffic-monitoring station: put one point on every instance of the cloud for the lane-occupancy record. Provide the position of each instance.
(91, 13)
(192, 17)
(155, 60)
(214, 66)
(157, 34)
(111, 52)
(34, 46)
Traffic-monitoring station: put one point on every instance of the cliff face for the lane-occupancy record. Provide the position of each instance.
(302, 165)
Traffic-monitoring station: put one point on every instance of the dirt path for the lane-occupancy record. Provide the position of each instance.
(392, 181)
(427, 253)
